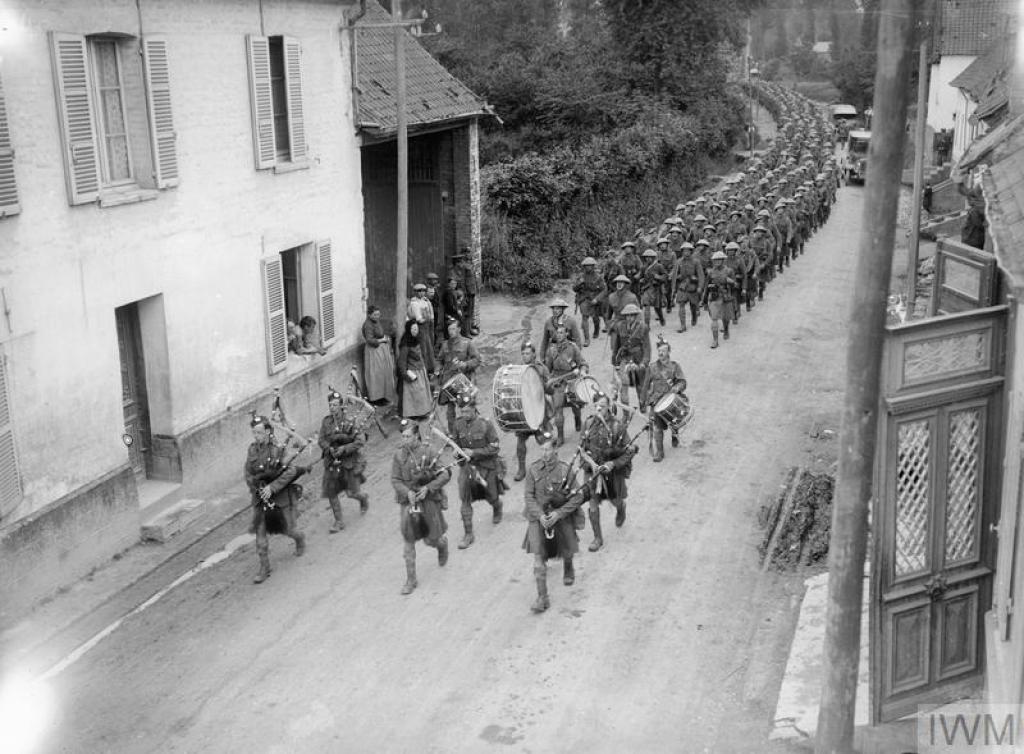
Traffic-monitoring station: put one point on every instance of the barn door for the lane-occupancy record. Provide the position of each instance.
(937, 487)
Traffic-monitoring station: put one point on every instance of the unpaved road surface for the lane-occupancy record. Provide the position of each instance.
(671, 640)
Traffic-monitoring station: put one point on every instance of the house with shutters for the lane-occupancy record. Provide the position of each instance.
(178, 181)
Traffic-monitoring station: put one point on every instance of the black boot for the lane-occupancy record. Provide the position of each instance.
(659, 452)
(364, 502)
(542, 602)
(468, 538)
(595, 524)
(577, 418)
(568, 572)
(521, 471)
(497, 508)
(300, 544)
(620, 512)
(675, 440)
(442, 551)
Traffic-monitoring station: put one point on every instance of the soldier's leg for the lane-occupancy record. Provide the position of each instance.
(661, 314)
(540, 574)
(595, 524)
(682, 317)
(292, 530)
(726, 319)
(354, 490)
(694, 312)
(639, 377)
(409, 552)
(496, 506)
(262, 550)
(568, 572)
(520, 456)
(647, 315)
(558, 407)
(714, 333)
(620, 510)
(577, 417)
(339, 522)
(585, 328)
(659, 441)
(465, 495)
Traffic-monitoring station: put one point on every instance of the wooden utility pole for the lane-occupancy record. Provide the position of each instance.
(913, 248)
(853, 490)
(402, 142)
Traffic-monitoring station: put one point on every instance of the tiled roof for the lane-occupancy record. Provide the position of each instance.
(1003, 183)
(969, 27)
(978, 78)
(432, 94)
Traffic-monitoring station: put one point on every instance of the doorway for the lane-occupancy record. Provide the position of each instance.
(134, 397)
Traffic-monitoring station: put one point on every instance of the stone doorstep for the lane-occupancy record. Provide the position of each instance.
(174, 520)
(796, 712)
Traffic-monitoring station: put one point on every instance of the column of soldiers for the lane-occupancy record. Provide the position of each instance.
(716, 253)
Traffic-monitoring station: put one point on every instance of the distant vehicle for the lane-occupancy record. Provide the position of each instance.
(855, 155)
(842, 112)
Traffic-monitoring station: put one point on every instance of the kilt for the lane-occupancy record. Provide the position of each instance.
(490, 492)
(684, 296)
(719, 309)
(566, 541)
(338, 479)
(429, 525)
(613, 485)
(280, 519)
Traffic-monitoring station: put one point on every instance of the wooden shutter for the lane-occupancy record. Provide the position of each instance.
(325, 290)
(293, 89)
(161, 122)
(262, 101)
(8, 189)
(74, 106)
(10, 479)
(276, 319)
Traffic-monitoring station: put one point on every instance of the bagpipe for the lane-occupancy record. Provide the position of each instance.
(357, 398)
(478, 485)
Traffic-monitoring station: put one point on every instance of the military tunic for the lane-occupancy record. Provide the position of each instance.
(265, 467)
(411, 470)
(479, 438)
(607, 442)
(546, 483)
(341, 447)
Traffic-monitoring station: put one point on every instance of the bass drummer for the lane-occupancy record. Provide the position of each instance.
(664, 376)
(563, 360)
(543, 432)
(458, 356)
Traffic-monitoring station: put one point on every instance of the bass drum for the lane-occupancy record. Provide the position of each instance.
(518, 398)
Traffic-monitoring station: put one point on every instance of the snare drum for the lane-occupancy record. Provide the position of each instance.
(457, 386)
(518, 394)
(582, 390)
(674, 409)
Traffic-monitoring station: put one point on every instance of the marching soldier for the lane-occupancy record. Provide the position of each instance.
(619, 298)
(530, 357)
(559, 317)
(590, 296)
(664, 376)
(631, 266)
(341, 443)
(786, 234)
(688, 285)
(761, 248)
(735, 263)
(419, 491)
(631, 352)
(482, 476)
(563, 359)
(667, 255)
(269, 474)
(718, 296)
(605, 440)
(458, 356)
(553, 515)
(650, 286)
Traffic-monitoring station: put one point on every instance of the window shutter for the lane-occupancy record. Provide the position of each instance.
(277, 321)
(8, 189)
(10, 479)
(293, 87)
(74, 106)
(325, 290)
(161, 123)
(262, 101)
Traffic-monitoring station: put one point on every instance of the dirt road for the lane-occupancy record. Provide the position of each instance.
(670, 641)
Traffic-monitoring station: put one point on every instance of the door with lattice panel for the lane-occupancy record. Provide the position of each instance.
(937, 487)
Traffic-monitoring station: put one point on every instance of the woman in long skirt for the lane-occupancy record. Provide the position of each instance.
(413, 365)
(378, 361)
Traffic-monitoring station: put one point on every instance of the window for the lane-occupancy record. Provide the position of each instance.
(275, 86)
(297, 282)
(116, 121)
(10, 478)
(8, 189)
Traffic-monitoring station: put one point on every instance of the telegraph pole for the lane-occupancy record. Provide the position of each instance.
(848, 546)
(402, 144)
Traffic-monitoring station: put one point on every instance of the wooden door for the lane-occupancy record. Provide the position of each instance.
(426, 242)
(965, 278)
(937, 488)
(133, 388)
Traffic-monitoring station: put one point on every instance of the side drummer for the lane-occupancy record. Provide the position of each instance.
(552, 510)
(664, 376)
(269, 475)
(530, 357)
(341, 442)
(419, 482)
(482, 476)
(458, 356)
(605, 440)
(563, 360)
